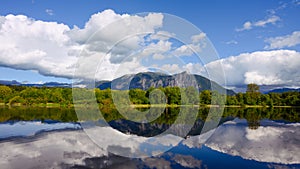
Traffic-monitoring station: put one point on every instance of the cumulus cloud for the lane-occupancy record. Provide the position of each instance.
(108, 27)
(198, 42)
(101, 49)
(171, 68)
(184, 50)
(198, 38)
(36, 45)
(284, 41)
(261, 23)
(162, 35)
(49, 12)
(108, 46)
(276, 67)
(53, 48)
(158, 50)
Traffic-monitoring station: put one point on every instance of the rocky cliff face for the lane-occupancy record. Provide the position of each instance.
(150, 79)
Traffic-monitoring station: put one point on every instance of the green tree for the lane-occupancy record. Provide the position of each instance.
(275, 99)
(192, 95)
(205, 97)
(252, 96)
(173, 95)
(138, 96)
(16, 99)
(231, 100)
(5, 93)
(240, 99)
(252, 88)
(156, 96)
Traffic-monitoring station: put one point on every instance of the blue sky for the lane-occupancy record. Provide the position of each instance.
(238, 29)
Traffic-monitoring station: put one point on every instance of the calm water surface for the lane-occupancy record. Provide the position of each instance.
(245, 138)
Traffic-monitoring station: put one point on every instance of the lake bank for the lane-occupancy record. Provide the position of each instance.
(57, 105)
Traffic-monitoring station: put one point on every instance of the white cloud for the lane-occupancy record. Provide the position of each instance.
(198, 43)
(158, 56)
(52, 48)
(157, 49)
(284, 41)
(271, 20)
(113, 41)
(49, 12)
(36, 45)
(247, 25)
(198, 38)
(194, 68)
(171, 68)
(108, 27)
(262, 67)
(184, 50)
(231, 42)
(162, 35)
(261, 23)
(108, 46)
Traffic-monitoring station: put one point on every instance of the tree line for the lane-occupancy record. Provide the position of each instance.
(169, 95)
(254, 97)
(34, 95)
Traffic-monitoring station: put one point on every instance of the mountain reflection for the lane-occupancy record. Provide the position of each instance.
(243, 136)
(271, 142)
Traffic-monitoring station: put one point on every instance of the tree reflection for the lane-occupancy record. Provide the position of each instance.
(253, 116)
(168, 117)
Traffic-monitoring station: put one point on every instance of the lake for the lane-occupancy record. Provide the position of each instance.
(244, 138)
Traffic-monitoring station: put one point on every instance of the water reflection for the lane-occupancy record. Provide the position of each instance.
(49, 150)
(23, 113)
(253, 115)
(31, 128)
(234, 144)
(272, 142)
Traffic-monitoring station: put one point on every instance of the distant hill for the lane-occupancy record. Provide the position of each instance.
(265, 89)
(151, 79)
(282, 90)
(7, 82)
(47, 84)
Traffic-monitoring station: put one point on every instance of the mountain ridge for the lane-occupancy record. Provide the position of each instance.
(46, 84)
(145, 80)
(285, 89)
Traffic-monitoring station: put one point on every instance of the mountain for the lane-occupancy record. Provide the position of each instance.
(146, 80)
(282, 90)
(265, 89)
(8, 82)
(142, 81)
(47, 84)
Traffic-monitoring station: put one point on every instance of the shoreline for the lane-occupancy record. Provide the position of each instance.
(229, 106)
(58, 105)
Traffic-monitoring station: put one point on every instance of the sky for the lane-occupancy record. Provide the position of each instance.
(50, 40)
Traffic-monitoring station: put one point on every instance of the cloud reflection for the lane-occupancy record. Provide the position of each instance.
(272, 142)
